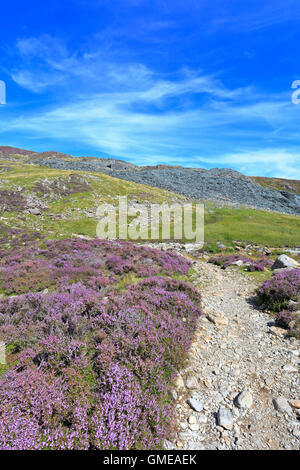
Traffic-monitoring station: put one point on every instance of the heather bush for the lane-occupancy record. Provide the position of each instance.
(290, 319)
(94, 365)
(11, 201)
(277, 292)
(284, 318)
(91, 262)
(254, 264)
(256, 267)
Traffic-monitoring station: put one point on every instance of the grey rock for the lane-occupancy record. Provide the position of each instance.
(277, 331)
(179, 383)
(34, 211)
(191, 382)
(225, 418)
(195, 446)
(196, 405)
(238, 263)
(244, 399)
(296, 433)
(202, 418)
(192, 419)
(289, 368)
(284, 261)
(281, 404)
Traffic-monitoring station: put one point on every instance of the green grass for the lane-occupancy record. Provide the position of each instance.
(253, 226)
(66, 216)
(258, 277)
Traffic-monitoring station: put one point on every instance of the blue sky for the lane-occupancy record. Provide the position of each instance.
(198, 83)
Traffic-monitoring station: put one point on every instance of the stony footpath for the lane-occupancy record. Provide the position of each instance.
(240, 388)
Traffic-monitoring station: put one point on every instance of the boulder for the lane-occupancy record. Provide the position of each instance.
(277, 331)
(284, 261)
(34, 211)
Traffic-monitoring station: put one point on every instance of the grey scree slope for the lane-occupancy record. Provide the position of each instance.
(224, 186)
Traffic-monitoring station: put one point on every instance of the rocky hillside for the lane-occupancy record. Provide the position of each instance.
(63, 161)
(222, 186)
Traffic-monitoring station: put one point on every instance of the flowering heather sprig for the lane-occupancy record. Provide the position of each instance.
(94, 366)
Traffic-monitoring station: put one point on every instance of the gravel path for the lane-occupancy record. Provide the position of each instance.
(236, 349)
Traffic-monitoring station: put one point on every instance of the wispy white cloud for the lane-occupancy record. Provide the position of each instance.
(44, 62)
(253, 17)
(130, 111)
(268, 162)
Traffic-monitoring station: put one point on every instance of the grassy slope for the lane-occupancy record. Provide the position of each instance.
(266, 228)
(67, 215)
(280, 184)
